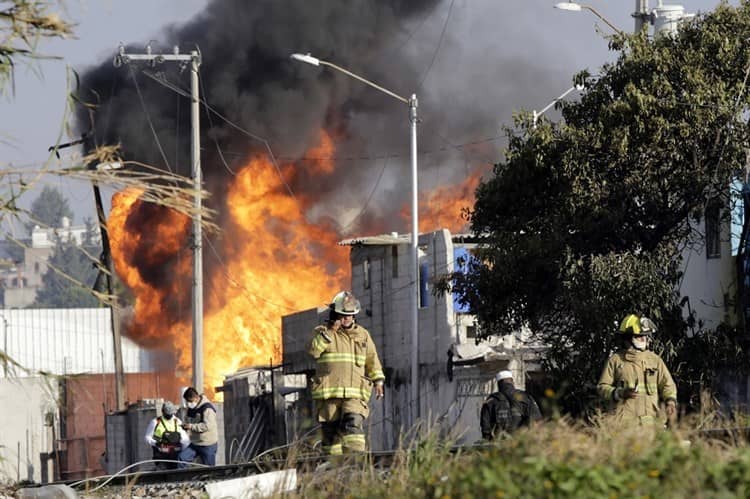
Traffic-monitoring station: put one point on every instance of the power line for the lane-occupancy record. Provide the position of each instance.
(211, 125)
(162, 80)
(437, 48)
(369, 198)
(236, 283)
(148, 118)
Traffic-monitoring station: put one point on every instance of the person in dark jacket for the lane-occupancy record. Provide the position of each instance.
(507, 409)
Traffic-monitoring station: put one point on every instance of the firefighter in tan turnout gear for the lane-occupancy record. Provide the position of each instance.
(348, 369)
(636, 379)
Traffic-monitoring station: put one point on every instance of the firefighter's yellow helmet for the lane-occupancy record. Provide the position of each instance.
(637, 326)
(345, 303)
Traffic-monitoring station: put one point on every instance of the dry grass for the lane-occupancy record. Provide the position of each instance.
(557, 459)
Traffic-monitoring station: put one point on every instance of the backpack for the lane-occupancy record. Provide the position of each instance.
(501, 413)
(169, 437)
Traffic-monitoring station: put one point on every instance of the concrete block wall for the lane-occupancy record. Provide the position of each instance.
(386, 313)
(297, 332)
(116, 430)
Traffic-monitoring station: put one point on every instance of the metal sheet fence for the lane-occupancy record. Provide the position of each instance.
(65, 341)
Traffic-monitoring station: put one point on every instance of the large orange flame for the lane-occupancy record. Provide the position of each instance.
(269, 261)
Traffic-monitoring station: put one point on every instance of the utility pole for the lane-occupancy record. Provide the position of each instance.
(641, 14)
(106, 261)
(194, 59)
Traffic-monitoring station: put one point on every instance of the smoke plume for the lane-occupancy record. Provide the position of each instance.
(452, 54)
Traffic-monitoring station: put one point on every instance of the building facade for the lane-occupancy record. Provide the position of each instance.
(21, 280)
(456, 371)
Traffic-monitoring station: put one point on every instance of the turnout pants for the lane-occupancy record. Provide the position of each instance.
(342, 422)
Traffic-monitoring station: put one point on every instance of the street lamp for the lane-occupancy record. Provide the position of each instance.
(536, 114)
(664, 18)
(412, 102)
(577, 7)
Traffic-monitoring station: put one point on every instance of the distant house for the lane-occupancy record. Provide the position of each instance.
(21, 280)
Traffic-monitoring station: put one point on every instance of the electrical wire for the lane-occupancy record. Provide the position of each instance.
(162, 80)
(109, 478)
(168, 84)
(148, 118)
(369, 198)
(211, 125)
(239, 285)
(437, 48)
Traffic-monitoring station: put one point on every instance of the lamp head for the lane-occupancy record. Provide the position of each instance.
(306, 58)
(575, 7)
(111, 165)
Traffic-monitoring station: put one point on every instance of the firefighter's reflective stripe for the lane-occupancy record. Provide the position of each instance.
(645, 373)
(341, 357)
(353, 442)
(318, 345)
(607, 392)
(332, 450)
(341, 392)
(347, 363)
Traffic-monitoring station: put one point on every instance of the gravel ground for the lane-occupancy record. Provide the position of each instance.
(181, 490)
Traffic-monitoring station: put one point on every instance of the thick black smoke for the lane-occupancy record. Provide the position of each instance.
(248, 77)
(469, 73)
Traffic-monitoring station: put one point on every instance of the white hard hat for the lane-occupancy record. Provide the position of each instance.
(503, 375)
(345, 303)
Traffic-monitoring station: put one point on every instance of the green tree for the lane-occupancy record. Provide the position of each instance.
(69, 278)
(586, 219)
(49, 208)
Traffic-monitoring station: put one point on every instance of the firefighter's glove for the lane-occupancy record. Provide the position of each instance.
(626, 393)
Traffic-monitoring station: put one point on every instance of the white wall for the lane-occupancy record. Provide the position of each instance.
(710, 283)
(25, 401)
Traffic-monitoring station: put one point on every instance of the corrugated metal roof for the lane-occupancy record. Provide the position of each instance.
(381, 240)
(395, 238)
(67, 341)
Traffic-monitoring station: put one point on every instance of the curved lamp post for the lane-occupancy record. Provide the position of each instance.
(412, 102)
(536, 114)
(577, 7)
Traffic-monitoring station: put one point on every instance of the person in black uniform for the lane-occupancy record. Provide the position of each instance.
(507, 409)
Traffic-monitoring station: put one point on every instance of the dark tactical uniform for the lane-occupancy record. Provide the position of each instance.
(506, 410)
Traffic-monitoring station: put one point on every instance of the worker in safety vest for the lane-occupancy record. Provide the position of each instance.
(166, 437)
(635, 379)
(348, 369)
